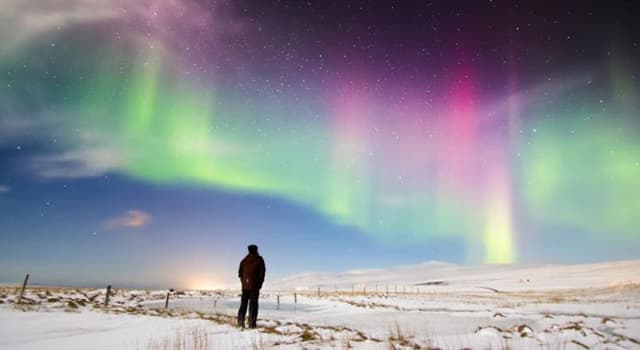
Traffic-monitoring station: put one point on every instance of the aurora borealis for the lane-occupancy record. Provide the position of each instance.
(377, 132)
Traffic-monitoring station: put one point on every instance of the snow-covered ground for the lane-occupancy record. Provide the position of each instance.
(431, 306)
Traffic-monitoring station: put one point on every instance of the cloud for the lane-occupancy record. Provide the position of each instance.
(131, 219)
(78, 163)
(27, 19)
(13, 128)
(4, 189)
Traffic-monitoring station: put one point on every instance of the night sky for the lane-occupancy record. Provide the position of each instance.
(147, 143)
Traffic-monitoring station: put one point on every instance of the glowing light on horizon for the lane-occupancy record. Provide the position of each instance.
(203, 283)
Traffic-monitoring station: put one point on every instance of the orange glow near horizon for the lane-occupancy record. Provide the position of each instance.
(203, 282)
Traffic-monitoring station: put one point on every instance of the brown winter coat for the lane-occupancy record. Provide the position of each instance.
(251, 272)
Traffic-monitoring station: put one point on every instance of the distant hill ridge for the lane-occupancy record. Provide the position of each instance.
(441, 275)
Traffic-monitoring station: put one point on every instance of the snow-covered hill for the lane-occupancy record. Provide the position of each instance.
(449, 276)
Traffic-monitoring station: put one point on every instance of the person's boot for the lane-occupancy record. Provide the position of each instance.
(240, 322)
(252, 322)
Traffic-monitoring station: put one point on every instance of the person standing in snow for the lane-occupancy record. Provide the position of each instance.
(251, 273)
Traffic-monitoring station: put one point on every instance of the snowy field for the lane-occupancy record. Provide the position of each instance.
(428, 306)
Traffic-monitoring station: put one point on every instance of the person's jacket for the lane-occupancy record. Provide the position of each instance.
(251, 272)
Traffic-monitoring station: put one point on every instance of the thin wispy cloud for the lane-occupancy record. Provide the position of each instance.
(29, 18)
(4, 189)
(78, 163)
(131, 219)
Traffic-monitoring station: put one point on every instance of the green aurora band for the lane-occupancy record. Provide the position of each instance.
(573, 175)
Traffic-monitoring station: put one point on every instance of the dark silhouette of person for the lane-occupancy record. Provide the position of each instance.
(251, 273)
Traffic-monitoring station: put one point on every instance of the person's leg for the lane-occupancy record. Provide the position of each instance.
(253, 308)
(243, 307)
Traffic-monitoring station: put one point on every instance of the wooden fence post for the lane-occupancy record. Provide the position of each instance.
(278, 299)
(106, 299)
(166, 301)
(24, 286)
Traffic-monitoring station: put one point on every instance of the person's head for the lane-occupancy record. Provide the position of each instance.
(253, 249)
